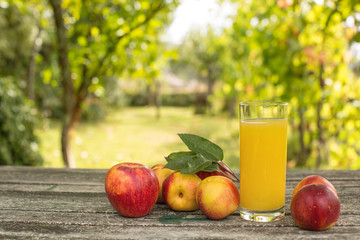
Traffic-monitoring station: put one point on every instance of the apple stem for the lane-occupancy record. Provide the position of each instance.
(225, 168)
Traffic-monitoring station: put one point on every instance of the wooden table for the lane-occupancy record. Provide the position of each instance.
(71, 203)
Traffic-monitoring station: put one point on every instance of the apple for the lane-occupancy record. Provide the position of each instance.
(313, 179)
(315, 207)
(217, 197)
(179, 191)
(204, 174)
(132, 189)
(161, 174)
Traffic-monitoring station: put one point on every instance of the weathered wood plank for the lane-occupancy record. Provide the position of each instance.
(161, 217)
(49, 175)
(343, 175)
(56, 176)
(42, 170)
(67, 231)
(52, 187)
(26, 186)
(71, 203)
(97, 202)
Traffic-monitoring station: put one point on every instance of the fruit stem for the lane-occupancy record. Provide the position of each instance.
(226, 169)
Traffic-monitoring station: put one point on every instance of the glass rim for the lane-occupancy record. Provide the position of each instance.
(263, 103)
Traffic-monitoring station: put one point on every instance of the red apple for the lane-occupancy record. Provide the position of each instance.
(311, 180)
(179, 191)
(132, 189)
(217, 197)
(203, 174)
(315, 207)
(161, 174)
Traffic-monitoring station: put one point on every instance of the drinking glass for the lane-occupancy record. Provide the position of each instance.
(263, 149)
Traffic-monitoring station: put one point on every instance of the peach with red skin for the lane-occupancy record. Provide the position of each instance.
(161, 174)
(179, 191)
(132, 189)
(315, 207)
(217, 197)
(311, 180)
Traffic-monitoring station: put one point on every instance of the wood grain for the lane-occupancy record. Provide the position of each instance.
(44, 203)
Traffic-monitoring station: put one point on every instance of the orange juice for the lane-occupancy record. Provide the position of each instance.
(263, 164)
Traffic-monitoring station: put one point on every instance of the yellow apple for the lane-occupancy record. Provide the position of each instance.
(161, 174)
(217, 197)
(179, 191)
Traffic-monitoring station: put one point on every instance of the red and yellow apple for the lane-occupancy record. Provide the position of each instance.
(204, 174)
(315, 207)
(179, 191)
(132, 189)
(217, 197)
(161, 174)
(223, 172)
(311, 180)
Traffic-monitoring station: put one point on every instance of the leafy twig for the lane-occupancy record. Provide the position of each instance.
(204, 155)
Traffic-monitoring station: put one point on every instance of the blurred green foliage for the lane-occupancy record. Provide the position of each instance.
(75, 45)
(15, 45)
(294, 51)
(106, 40)
(18, 143)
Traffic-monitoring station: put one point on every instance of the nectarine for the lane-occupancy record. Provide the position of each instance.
(315, 207)
(217, 197)
(161, 174)
(313, 179)
(179, 191)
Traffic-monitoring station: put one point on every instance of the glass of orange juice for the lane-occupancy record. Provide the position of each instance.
(263, 149)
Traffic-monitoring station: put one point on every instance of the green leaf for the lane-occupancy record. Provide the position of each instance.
(196, 164)
(211, 168)
(203, 156)
(179, 160)
(177, 155)
(208, 149)
(187, 162)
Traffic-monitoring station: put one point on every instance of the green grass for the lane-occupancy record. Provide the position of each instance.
(135, 135)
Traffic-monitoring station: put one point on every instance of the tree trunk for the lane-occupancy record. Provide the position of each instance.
(67, 84)
(149, 95)
(81, 95)
(232, 107)
(319, 126)
(322, 151)
(32, 68)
